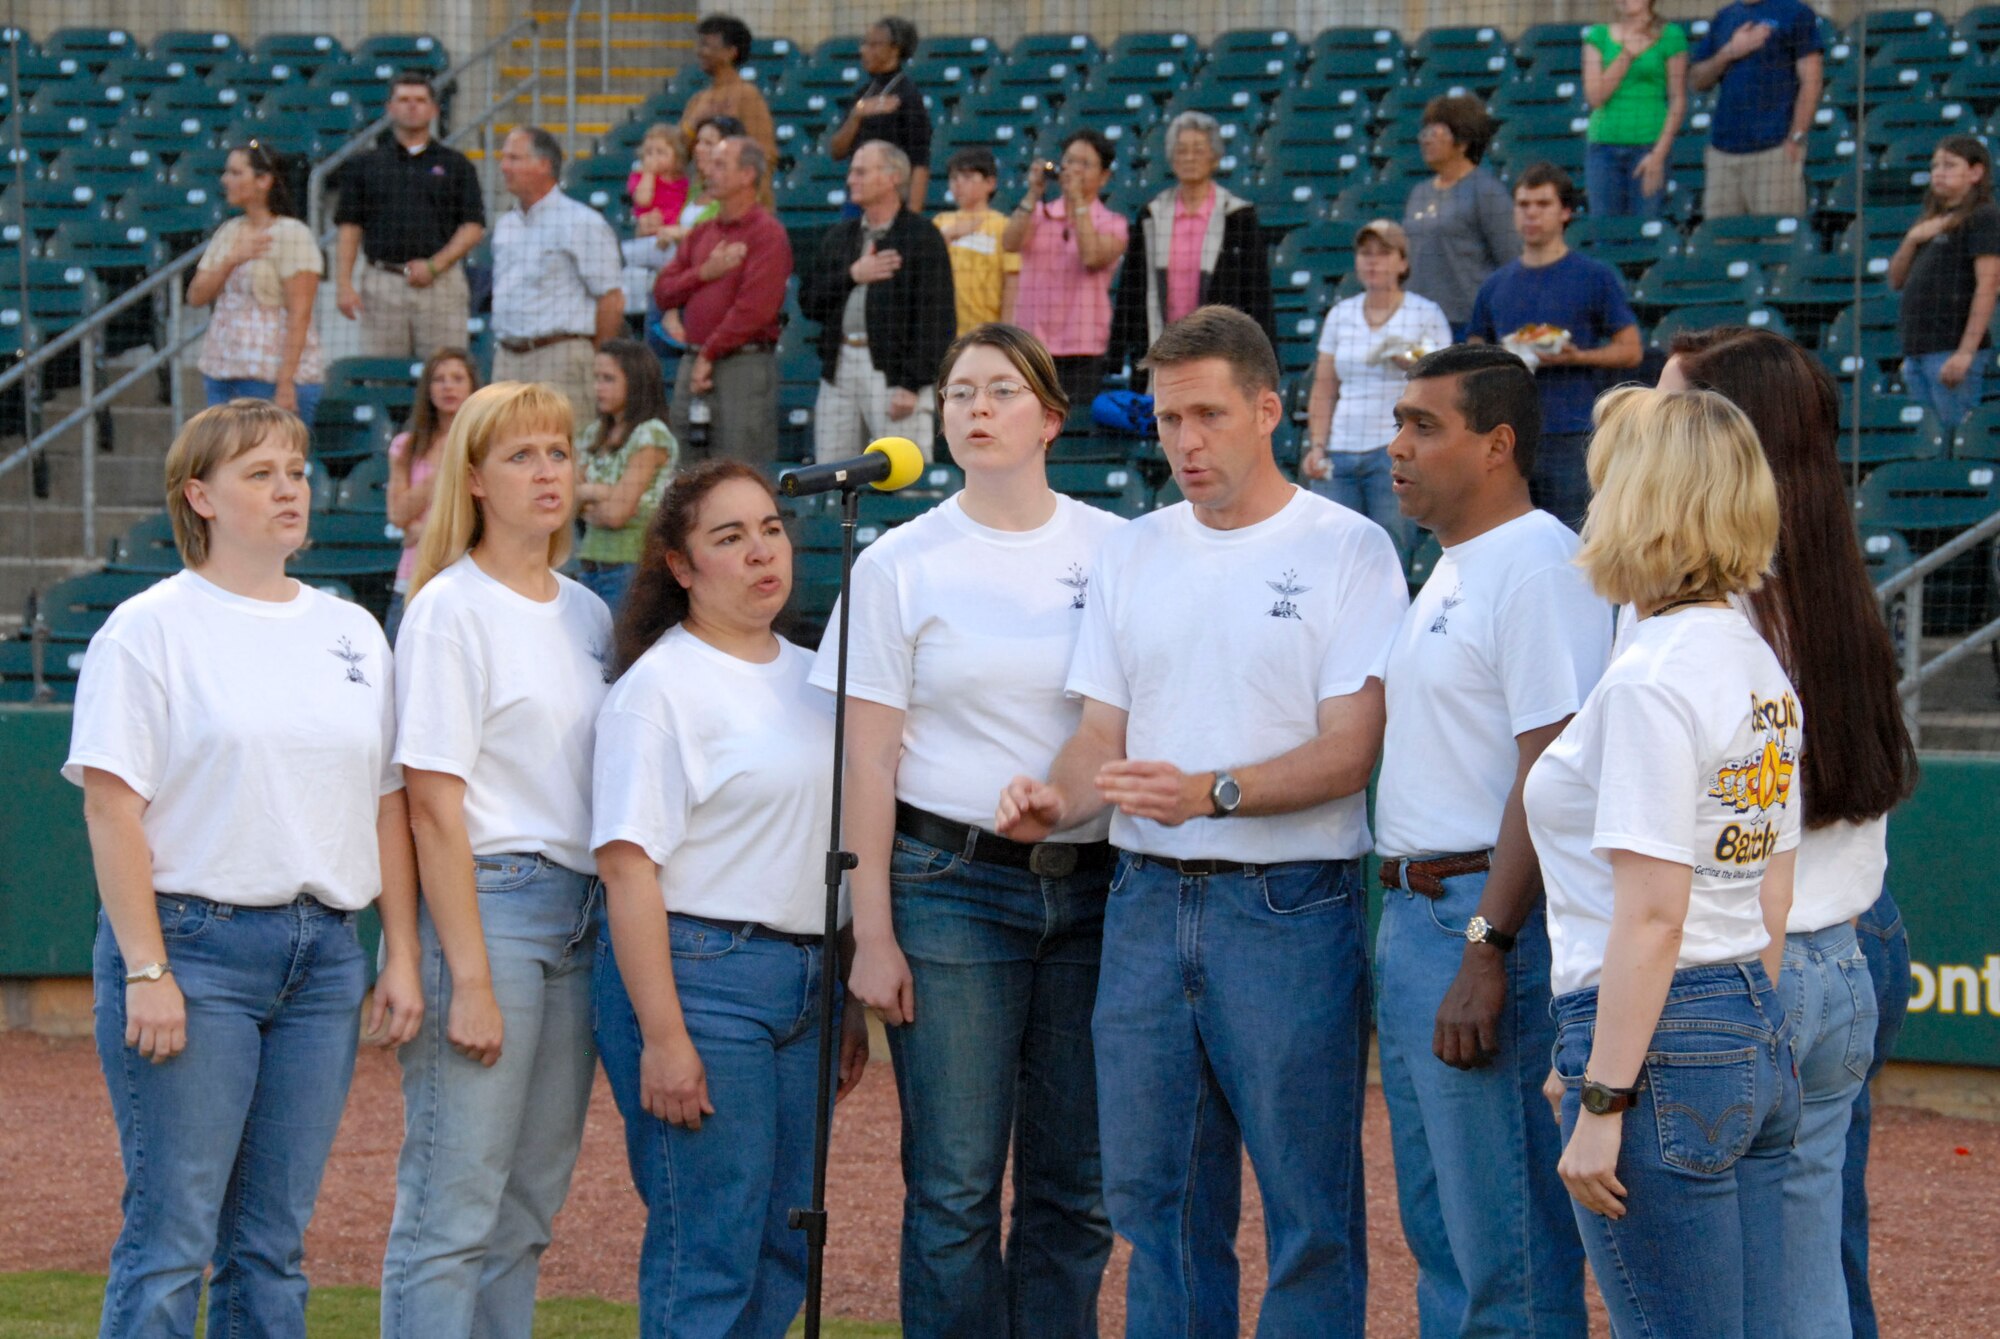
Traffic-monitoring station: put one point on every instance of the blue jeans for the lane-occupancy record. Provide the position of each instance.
(1483, 1210)
(1232, 1013)
(1701, 1248)
(1005, 969)
(1830, 1007)
(222, 392)
(1951, 404)
(1360, 482)
(487, 1152)
(1558, 482)
(719, 1257)
(1886, 945)
(1614, 192)
(224, 1144)
(608, 581)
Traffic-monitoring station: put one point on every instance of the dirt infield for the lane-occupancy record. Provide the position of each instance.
(1936, 1183)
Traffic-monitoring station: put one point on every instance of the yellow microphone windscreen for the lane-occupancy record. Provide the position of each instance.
(905, 460)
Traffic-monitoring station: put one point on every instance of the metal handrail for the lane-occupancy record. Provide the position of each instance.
(1938, 557)
(569, 73)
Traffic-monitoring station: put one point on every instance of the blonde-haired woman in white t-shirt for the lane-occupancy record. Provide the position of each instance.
(1366, 349)
(1666, 817)
(981, 953)
(713, 784)
(499, 672)
(233, 736)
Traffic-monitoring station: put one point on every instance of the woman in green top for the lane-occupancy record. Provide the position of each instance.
(1635, 79)
(627, 456)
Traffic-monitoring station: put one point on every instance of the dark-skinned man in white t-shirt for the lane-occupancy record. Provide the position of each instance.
(1230, 669)
(1495, 655)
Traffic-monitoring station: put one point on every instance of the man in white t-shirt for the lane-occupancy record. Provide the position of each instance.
(1230, 668)
(1497, 652)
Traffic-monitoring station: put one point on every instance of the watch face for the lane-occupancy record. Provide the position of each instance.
(1475, 929)
(1596, 1100)
(1228, 794)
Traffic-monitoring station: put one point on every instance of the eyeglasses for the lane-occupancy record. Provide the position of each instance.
(1000, 393)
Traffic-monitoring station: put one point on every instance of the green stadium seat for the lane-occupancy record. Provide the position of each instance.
(1628, 244)
(1371, 69)
(1762, 239)
(1535, 96)
(347, 427)
(1552, 50)
(120, 253)
(1367, 200)
(1310, 98)
(1879, 83)
(390, 384)
(835, 78)
(304, 52)
(1682, 281)
(364, 489)
(1075, 48)
(1119, 488)
(1910, 116)
(93, 47)
(365, 84)
(76, 607)
(62, 662)
(1892, 428)
(1482, 69)
(1881, 186)
(1814, 287)
(1864, 348)
(1975, 82)
(774, 51)
(1218, 100)
(180, 216)
(1265, 71)
(1914, 496)
(214, 106)
(198, 165)
(103, 105)
(47, 204)
(1708, 317)
(1047, 77)
(1515, 149)
(1981, 26)
(1978, 437)
(1179, 46)
(142, 76)
(147, 546)
(199, 51)
(1151, 77)
(1884, 551)
(403, 51)
(1329, 40)
(32, 71)
(845, 48)
(109, 168)
(1874, 31)
(1259, 41)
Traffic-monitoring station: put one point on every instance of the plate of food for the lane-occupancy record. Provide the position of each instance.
(1535, 341)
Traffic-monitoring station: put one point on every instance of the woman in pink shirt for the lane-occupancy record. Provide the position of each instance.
(1196, 243)
(1070, 249)
(448, 378)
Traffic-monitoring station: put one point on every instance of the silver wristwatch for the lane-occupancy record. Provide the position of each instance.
(1224, 796)
(152, 971)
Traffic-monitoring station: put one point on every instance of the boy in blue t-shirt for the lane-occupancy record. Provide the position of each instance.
(1550, 285)
(1765, 54)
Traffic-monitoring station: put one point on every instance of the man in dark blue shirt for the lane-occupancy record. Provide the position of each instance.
(1552, 286)
(1766, 56)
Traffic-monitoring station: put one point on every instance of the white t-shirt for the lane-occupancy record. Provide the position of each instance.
(1364, 417)
(969, 632)
(502, 692)
(1687, 751)
(1841, 867)
(721, 770)
(258, 733)
(1505, 637)
(1221, 644)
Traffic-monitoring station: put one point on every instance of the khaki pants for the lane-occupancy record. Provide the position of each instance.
(1765, 182)
(742, 408)
(853, 410)
(567, 366)
(398, 321)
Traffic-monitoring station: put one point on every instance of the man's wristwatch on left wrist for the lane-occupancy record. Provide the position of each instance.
(1479, 930)
(1224, 794)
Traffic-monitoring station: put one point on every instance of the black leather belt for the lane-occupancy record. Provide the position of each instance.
(1196, 869)
(751, 930)
(1048, 860)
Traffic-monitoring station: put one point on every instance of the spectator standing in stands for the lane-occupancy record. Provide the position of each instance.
(1765, 55)
(1496, 653)
(626, 456)
(657, 190)
(1460, 223)
(1367, 345)
(1827, 628)
(1196, 244)
(881, 290)
(261, 270)
(721, 45)
(889, 108)
(984, 275)
(556, 272)
(411, 205)
(699, 207)
(1635, 79)
(448, 378)
(1552, 286)
(1948, 271)
(1230, 665)
(725, 288)
(1070, 249)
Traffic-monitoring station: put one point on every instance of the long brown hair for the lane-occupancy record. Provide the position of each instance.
(1966, 148)
(423, 424)
(657, 601)
(645, 393)
(1817, 611)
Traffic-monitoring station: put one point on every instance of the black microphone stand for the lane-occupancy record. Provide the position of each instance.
(811, 1220)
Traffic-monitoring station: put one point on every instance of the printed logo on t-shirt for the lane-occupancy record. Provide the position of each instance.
(1759, 783)
(1287, 587)
(1079, 585)
(1451, 602)
(344, 650)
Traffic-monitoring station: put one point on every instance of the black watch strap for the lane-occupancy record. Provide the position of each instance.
(1603, 1100)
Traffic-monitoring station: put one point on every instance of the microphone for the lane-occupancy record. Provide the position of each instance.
(889, 463)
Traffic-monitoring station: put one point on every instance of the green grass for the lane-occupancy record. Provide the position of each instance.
(64, 1306)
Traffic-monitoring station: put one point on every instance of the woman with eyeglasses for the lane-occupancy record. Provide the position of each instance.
(979, 952)
(261, 271)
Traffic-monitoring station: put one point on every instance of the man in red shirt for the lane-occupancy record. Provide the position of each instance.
(727, 280)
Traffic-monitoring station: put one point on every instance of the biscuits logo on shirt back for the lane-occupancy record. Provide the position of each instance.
(344, 650)
(1451, 602)
(1078, 583)
(1286, 587)
(1759, 782)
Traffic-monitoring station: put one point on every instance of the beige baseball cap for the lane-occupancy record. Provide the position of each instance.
(1386, 231)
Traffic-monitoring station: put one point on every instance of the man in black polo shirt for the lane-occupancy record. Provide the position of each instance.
(412, 205)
